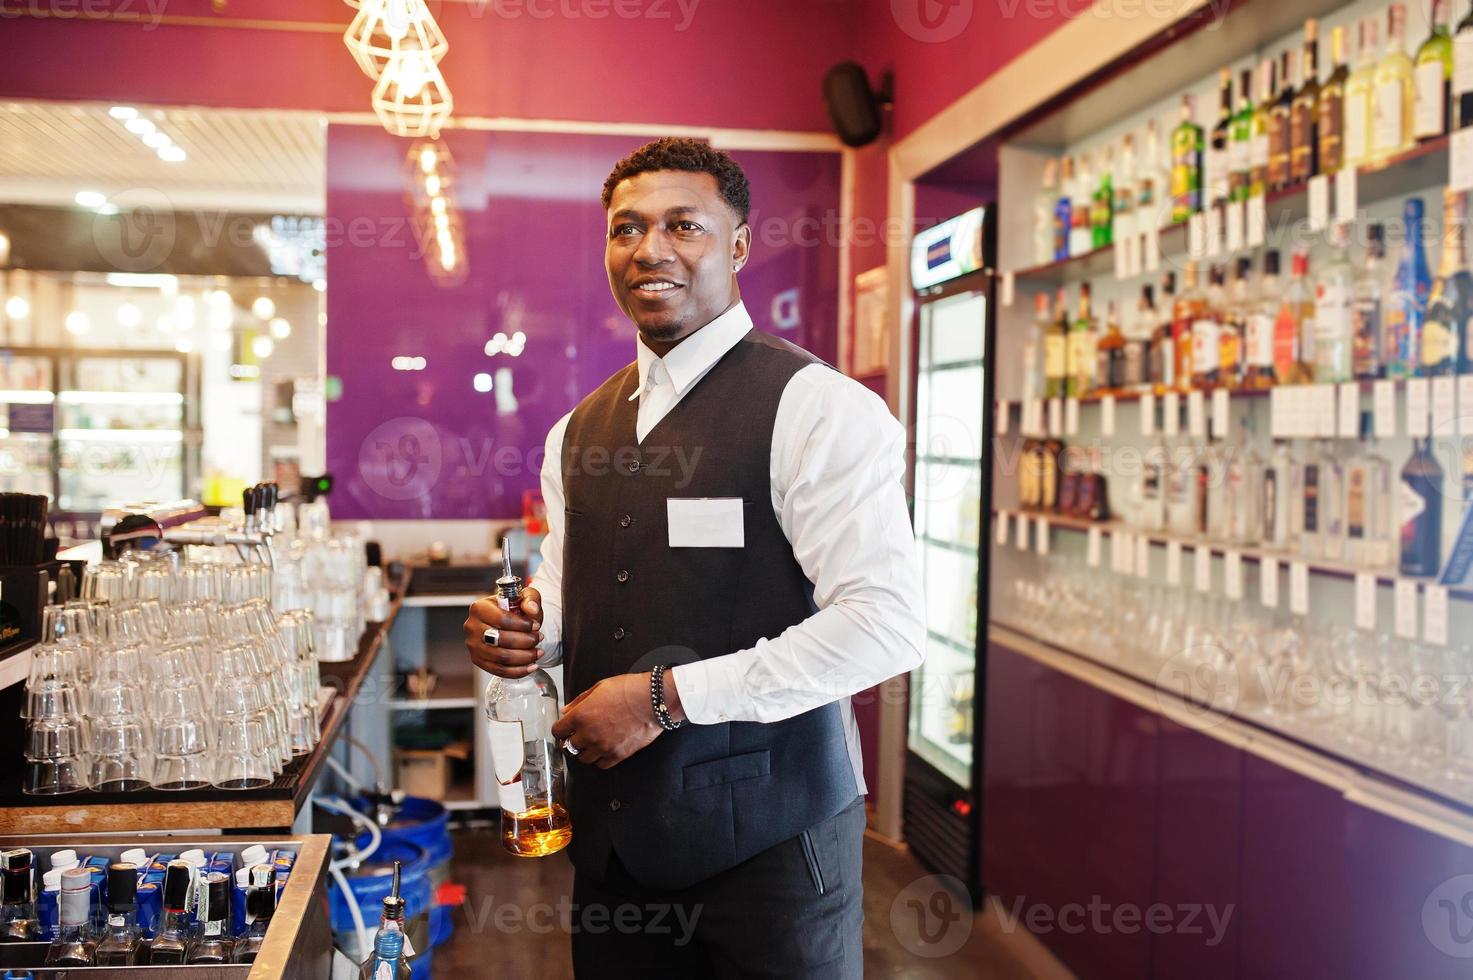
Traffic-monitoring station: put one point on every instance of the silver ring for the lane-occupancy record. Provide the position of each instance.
(569, 747)
(492, 636)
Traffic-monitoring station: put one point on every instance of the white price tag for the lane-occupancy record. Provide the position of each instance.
(1268, 582)
(1196, 235)
(1148, 413)
(1319, 202)
(1383, 396)
(1278, 411)
(1171, 414)
(1001, 527)
(1417, 408)
(1143, 556)
(1256, 221)
(1033, 424)
(1235, 226)
(1299, 588)
(1096, 545)
(1444, 406)
(1465, 404)
(1020, 532)
(1214, 232)
(1071, 417)
(1107, 416)
(1434, 614)
(1055, 416)
(1233, 571)
(1324, 410)
(507, 751)
(1041, 536)
(1196, 414)
(1406, 609)
(1350, 410)
(1120, 555)
(1365, 601)
(1202, 572)
(1222, 415)
(1460, 161)
(1345, 195)
(1152, 242)
(1001, 417)
(1173, 563)
(1006, 299)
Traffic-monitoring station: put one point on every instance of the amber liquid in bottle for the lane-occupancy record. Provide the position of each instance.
(537, 832)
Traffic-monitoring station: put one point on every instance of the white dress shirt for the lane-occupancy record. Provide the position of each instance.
(836, 474)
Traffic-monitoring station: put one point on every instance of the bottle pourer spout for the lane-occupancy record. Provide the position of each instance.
(505, 558)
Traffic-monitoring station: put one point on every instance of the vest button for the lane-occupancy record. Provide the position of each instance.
(623, 576)
(625, 521)
(619, 633)
(614, 804)
(634, 466)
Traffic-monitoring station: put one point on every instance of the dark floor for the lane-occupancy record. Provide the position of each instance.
(510, 919)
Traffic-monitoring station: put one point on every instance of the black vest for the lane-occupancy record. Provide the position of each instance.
(701, 799)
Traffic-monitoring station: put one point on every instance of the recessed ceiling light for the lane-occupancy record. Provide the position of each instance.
(140, 125)
(17, 308)
(482, 382)
(156, 139)
(90, 199)
(77, 322)
(123, 112)
(172, 154)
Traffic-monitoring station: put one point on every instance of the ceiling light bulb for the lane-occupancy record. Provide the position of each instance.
(218, 297)
(412, 72)
(262, 346)
(90, 199)
(442, 222)
(447, 259)
(281, 328)
(263, 307)
(427, 159)
(140, 125)
(16, 308)
(432, 185)
(156, 140)
(129, 315)
(122, 112)
(437, 205)
(172, 154)
(482, 382)
(78, 323)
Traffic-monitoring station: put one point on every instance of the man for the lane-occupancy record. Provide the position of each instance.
(729, 558)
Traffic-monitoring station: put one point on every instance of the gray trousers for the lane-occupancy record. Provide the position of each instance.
(794, 911)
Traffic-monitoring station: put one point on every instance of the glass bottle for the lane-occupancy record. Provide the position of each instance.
(120, 945)
(1155, 463)
(1332, 503)
(1295, 308)
(1232, 340)
(1138, 342)
(1393, 105)
(1333, 312)
(1406, 299)
(1081, 208)
(1123, 210)
(1163, 339)
(1186, 164)
(1366, 324)
(1419, 512)
(1080, 381)
(1190, 304)
(1044, 203)
(1219, 178)
(1310, 502)
(1242, 477)
(1331, 108)
(1304, 145)
(1278, 489)
(1240, 149)
(1279, 136)
(529, 765)
(1033, 374)
(18, 920)
(1360, 90)
(1433, 75)
(1183, 511)
(1110, 356)
(1367, 504)
(1258, 140)
(1451, 298)
(211, 940)
(260, 906)
(1063, 221)
(173, 935)
(1152, 195)
(1101, 215)
(1462, 82)
(1207, 334)
(1055, 349)
(388, 961)
(74, 945)
(1258, 340)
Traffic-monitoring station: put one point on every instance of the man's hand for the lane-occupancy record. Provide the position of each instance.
(610, 721)
(515, 654)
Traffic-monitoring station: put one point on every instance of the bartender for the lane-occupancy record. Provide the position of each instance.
(729, 558)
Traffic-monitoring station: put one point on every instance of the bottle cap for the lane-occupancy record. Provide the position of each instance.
(194, 856)
(76, 879)
(76, 896)
(242, 877)
(122, 887)
(18, 859)
(136, 856)
(51, 880)
(393, 904)
(254, 854)
(262, 875)
(61, 860)
(177, 881)
(215, 897)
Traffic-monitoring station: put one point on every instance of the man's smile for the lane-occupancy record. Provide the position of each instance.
(655, 289)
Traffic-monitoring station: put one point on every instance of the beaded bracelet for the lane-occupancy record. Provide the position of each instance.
(657, 698)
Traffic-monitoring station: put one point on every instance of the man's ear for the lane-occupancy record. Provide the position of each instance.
(741, 248)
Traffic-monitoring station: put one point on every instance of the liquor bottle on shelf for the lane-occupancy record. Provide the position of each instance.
(1190, 306)
(1207, 333)
(1406, 299)
(388, 959)
(1304, 145)
(1258, 139)
(1218, 167)
(1186, 164)
(1360, 89)
(1366, 313)
(1110, 356)
(1102, 203)
(1163, 339)
(1419, 512)
(1152, 195)
(1080, 381)
(1367, 504)
(1242, 479)
(1215, 494)
(1296, 309)
(1393, 104)
(1122, 211)
(1258, 339)
(1138, 342)
(1033, 373)
(1331, 110)
(1462, 81)
(1240, 148)
(1063, 223)
(1311, 478)
(121, 944)
(18, 921)
(173, 934)
(1056, 348)
(1332, 503)
(1451, 299)
(1279, 483)
(211, 941)
(1333, 312)
(1081, 208)
(1232, 341)
(74, 945)
(1280, 115)
(1044, 203)
(1432, 115)
(1183, 510)
(1151, 510)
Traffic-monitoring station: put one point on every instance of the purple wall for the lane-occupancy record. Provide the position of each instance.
(425, 444)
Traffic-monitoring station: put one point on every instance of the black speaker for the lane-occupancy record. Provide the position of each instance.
(854, 107)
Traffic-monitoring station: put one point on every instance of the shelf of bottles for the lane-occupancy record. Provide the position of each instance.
(1239, 329)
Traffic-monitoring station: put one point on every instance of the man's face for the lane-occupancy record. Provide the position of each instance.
(673, 252)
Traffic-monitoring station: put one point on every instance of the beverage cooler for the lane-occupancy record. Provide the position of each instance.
(951, 417)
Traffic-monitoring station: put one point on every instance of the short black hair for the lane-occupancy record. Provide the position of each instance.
(692, 156)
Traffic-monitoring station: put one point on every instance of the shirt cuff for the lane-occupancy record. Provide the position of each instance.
(551, 644)
(711, 690)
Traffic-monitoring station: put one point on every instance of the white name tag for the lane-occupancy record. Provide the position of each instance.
(705, 522)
